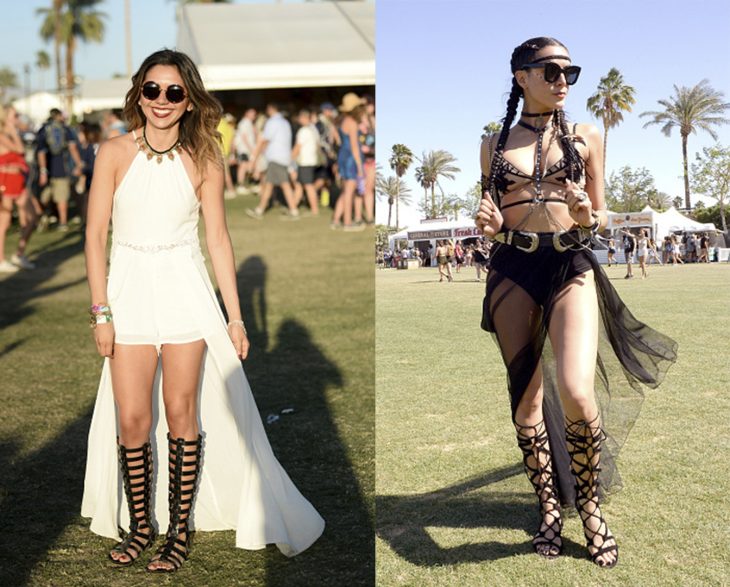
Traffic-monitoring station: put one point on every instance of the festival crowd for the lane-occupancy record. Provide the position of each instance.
(320, 156)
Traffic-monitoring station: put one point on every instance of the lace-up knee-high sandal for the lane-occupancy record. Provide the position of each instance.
(184, 472)
(584, 440)
(533, 440)
(136, 465)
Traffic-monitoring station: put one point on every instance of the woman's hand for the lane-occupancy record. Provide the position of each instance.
(239, 340)
(489, 219)
(580, 207)
(104, 337)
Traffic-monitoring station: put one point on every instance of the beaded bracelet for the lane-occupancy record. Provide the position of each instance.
(100, 314)
(239, 323)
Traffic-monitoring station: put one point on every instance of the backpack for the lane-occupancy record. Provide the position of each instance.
(55, 133)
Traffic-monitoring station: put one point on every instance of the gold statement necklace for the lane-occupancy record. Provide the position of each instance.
(151, 152)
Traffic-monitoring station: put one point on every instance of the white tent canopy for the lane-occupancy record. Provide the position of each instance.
(661, 223)
(252, 46)
(437, 229)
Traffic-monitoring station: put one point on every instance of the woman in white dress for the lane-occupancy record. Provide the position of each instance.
(172, 374)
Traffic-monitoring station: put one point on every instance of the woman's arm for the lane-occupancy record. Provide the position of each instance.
(99, 212)
(218, 241)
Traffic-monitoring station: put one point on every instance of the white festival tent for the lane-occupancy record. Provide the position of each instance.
(282, 45)
(660, 223)
(436, 229)
(253, 46)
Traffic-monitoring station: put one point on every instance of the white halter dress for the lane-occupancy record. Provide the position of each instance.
(160, 292)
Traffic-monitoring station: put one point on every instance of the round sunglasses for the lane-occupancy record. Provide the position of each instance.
(174, 93)
(552, 72)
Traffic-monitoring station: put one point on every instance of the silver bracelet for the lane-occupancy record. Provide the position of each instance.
(239, 323)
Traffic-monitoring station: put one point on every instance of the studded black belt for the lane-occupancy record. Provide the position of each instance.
(529, 242)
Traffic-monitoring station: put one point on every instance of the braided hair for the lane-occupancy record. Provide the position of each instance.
(522, 55)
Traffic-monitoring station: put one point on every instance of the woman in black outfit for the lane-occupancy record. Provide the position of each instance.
(561, 328)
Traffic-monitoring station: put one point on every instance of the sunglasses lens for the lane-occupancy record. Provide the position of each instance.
(571, 74)
(151, 91)
(175, 94)
(552, 71)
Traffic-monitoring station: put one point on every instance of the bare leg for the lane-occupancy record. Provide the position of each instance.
(133, 372)
(265, 196)
(62, 212)
(312, 198)
(180, 378)
(573, 333)
(6, 215)
(289, 197)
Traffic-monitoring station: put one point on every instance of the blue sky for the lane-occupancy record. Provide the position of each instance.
(443, 73)
(153, 27)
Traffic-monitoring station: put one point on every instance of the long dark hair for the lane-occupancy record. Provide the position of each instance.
(522, 55)
(198, 128)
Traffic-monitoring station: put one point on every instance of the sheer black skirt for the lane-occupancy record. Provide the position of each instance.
(521, 291)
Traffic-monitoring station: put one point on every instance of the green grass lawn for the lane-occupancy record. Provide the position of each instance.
(307, 295)
(454, 506)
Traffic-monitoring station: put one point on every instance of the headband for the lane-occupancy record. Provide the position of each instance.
(551, 57)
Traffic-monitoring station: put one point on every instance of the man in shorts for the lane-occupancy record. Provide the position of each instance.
(276, 144)
(629, 248)
(306, 154)
(56, 144)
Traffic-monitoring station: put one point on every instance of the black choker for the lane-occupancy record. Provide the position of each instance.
(534, 129)
(536, 114)
(151, 152)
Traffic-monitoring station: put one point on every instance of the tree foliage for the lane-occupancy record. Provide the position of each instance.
(8, 79)
(700, 107)
(630, 190)
(711, 176)
(611, 99)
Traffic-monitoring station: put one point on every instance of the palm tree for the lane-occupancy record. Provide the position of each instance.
(612, 96)
(423, 177)
(79, 20)
(396, 191)
(434, 165)
(42, 63)
(700, 107)
(490, 128)
(400, 160)
(8, 79)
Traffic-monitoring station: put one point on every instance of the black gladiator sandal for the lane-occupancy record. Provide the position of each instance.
(136, 465)
(533, 440)
(184, 471)
(584, 440)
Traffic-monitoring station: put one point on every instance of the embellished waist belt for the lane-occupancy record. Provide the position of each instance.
(529, 242)
(158, 247)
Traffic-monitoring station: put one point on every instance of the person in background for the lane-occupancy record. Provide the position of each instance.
(442, 258)
(704, 249)
(227, 128)
(244, 143)
(676, 250)
(611, 251)
(367, 147)
(13, 191)
(458, 256)
(306, 154)
(642, 249)
(57, 143)
(276, 144)
(112, 124)
(629, 248)
(653, 253)
(89, 141)
(349, 161)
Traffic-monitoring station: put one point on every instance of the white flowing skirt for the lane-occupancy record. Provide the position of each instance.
(242, 486)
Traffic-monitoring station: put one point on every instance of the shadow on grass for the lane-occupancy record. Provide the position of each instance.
(41, 493)
(20, 288)
(296, 374)
(403, 521)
